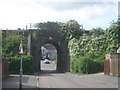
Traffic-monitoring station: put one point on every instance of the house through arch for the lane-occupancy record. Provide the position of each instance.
(49, 57)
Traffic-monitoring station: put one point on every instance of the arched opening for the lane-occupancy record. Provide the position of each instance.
(62, 50)
(48, 57)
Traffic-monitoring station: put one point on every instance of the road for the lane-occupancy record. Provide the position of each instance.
(48, 67)
(48, 78)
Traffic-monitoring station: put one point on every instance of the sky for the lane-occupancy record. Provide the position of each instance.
(89, 13)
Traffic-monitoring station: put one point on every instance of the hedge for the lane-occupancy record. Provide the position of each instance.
(85, 65)
(28, 65)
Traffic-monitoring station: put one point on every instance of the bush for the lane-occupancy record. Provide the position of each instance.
(10, 44)
(75, 66)
(85, 65)
(98, 58)
(28, 65)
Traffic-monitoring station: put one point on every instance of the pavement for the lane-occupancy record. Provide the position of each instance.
(28, 81)
(109, 80)
(31, 81)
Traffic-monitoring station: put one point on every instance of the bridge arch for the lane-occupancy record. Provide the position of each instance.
(59, 54)
(63, 58)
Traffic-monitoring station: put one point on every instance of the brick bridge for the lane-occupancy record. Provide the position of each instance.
(37, 38)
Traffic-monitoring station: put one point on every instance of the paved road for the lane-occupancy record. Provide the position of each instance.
(62, 80)
(48, 67)
(51, 79)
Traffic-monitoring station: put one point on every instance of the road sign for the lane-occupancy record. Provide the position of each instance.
(21, 49)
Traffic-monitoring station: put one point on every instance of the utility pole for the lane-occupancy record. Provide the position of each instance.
(30, 25)
(23, 31)
(26, 27)
(29, 44)
(21, 70)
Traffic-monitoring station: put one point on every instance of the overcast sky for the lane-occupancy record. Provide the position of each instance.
(90, 13)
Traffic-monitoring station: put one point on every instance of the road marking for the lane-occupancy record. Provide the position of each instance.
(37, 78)
(38, 82)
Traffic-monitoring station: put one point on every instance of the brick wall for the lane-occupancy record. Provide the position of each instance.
(112, 64)
(5, 67)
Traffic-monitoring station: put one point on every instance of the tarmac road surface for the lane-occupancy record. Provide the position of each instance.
(49, 78)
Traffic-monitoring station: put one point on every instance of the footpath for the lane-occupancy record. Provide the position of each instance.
(112, 81)
(30, 81)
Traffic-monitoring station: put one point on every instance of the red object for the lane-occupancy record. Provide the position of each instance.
(21, 52)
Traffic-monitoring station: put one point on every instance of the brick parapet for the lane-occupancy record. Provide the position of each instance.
(112, 64)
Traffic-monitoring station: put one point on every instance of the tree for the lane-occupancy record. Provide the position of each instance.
(47, 26)
(10, 44)
(70, 29)
(112, 35)
(19, 29)
(96, 31)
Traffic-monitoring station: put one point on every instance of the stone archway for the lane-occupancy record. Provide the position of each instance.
(41, 37)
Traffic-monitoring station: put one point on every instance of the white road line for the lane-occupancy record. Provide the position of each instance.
(38, 82)
(37, 78)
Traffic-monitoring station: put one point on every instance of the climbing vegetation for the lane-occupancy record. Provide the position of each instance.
(88, 52)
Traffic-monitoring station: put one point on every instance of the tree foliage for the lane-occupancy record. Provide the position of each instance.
(94, 47)
(10, 44)
(70, 29)
(47, 26)
(97, 31)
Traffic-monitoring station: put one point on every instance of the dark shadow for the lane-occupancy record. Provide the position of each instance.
(48, 71)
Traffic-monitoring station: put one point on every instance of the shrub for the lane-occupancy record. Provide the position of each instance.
(85, 65)
(28, 64)
(10, 45)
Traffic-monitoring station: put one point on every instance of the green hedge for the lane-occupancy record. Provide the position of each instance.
(85, 65)
(28, 65)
